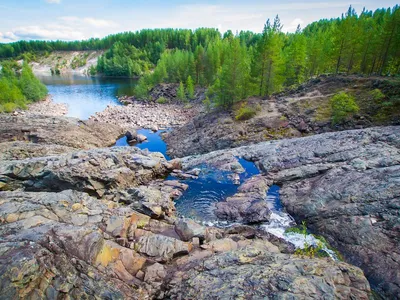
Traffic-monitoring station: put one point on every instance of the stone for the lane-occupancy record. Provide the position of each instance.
(141, 138)
(161, 247)
(188, 229)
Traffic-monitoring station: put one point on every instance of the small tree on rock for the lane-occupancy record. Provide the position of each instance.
(190, 87)
(180, 93)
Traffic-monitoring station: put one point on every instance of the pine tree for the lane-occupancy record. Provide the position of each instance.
(190, 87)
(180, 93)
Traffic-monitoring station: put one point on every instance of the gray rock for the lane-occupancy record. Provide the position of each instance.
(188, 229)
(258, 274)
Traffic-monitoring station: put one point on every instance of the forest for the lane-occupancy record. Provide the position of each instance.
(235, 66)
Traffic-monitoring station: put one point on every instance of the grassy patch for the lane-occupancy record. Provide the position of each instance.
(162, 100)
(245, 112)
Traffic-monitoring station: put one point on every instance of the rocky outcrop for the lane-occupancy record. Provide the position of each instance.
(252, 273)
(92, 171)
(345, 186)
(290, 114)
(61, 131)
(167, 92)
(248, 205)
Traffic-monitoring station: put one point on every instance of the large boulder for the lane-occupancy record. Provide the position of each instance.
(248, 205)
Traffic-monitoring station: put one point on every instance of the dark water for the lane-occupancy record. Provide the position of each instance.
(154, 141)
(274, 199)
(87, 95)
(212, 186)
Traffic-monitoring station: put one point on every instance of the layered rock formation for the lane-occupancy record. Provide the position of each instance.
(100, 223)
(345, 185)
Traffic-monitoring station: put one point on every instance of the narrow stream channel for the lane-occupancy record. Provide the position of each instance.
(213, 185)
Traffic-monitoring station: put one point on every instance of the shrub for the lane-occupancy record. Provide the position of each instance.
(245, 113)
(343, 106)
(377, 94)
(9, 107)
(161, 100)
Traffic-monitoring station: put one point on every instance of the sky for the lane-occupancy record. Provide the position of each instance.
(83, 19)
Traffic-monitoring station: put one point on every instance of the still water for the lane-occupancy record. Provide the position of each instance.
(87, 95)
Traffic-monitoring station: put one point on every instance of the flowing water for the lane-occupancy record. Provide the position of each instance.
(86, 95)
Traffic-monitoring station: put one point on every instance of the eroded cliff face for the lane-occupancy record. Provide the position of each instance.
(102, 223)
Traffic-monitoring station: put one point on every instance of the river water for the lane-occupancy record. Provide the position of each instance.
(86, 95)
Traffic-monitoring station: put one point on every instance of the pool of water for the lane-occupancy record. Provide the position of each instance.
(213, 185)
(154, 141)
(87, 95)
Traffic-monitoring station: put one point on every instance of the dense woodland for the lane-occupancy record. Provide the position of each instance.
(235, 66)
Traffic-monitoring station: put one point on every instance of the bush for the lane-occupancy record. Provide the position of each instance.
(161, 100)
(9, 107)
(343, 106)
(377, 94)
(245, 113)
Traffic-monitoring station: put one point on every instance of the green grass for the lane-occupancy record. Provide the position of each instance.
(245, 113)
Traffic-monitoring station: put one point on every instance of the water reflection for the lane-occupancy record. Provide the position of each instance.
(87, 95)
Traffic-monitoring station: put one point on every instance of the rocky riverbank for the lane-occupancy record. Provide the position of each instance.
(101, 223)
(47, 107)
(344, 185)
(147, 115)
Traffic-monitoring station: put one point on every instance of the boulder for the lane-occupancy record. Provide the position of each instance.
(188, 229)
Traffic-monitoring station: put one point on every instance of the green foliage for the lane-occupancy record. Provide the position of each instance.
(343, 106)
(377, 95)
(123, 60)
(19, 86)
(312, 251)
(207, 104)
(190, 87)
(180, 93)
(142, 88)
(161, 100)
(92, 70)
(30, 86)
(9, 107)
(245, 113)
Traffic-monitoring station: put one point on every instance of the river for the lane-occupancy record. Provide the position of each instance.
(86, 95)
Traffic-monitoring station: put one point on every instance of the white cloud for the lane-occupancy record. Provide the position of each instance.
(98, 23)
(54, 32)
(53, 1)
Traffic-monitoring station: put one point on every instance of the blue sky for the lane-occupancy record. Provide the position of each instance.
(81, 19)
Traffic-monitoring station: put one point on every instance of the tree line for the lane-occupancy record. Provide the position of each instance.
(237, 66)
